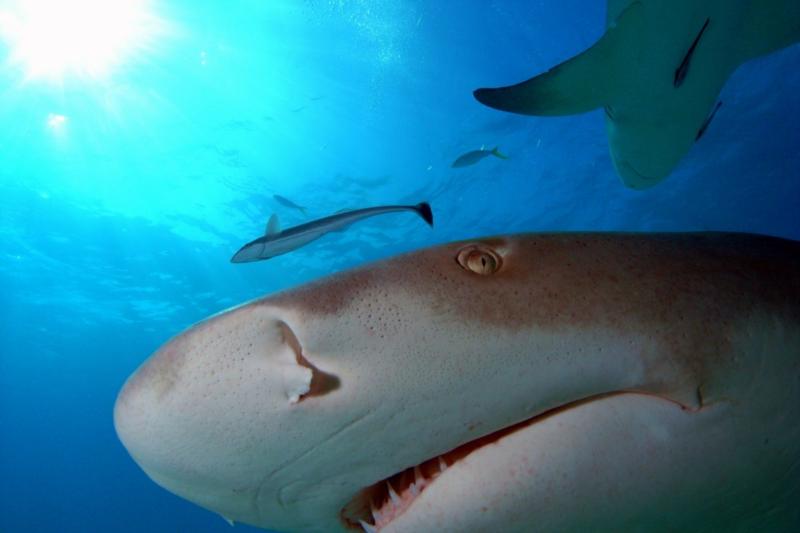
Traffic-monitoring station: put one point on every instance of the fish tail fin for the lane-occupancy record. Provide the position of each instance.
(497, 153)
(424, 210)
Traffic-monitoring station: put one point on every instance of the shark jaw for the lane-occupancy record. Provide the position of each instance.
(548, 382)
(383, 504)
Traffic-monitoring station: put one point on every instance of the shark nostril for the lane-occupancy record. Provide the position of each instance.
(321, 382)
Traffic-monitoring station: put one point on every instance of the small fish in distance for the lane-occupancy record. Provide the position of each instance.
(288, 203)
(474, 156)
(276, 242)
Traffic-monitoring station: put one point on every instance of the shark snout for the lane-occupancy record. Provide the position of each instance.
(145, 398)
(190, 410)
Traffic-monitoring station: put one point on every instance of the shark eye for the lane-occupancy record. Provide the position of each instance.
(479, 260)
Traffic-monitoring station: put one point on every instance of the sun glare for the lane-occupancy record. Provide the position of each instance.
(51, 39)
(56, 121)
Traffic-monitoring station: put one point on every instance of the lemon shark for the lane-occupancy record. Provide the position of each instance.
(552, 382)
(657, 71)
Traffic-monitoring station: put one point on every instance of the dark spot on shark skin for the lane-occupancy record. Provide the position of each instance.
(682, 291)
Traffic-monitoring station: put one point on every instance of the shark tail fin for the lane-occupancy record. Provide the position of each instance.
(424, 210)
(303, 210)
(497, 153)
(580, 84)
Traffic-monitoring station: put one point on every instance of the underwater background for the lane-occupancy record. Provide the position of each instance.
(126, 187)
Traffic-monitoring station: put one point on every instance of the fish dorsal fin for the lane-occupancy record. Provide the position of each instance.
(585, 82)
(273, 226)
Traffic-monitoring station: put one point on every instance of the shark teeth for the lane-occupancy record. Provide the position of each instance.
(376, 514)
(391, 502)
(393, 495)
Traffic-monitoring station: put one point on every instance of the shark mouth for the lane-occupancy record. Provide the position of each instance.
(375, 506)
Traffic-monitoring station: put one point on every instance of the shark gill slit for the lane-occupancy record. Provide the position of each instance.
(378, 504)
(321, 382)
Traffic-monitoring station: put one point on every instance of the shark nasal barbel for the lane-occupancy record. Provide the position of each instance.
(543, 382)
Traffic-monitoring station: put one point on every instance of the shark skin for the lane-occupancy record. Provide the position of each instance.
(561, 382)
(657, 71)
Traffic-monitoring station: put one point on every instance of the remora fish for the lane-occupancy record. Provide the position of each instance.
(683, 68)
(276, 242)
(705, 125)
(549, 383)
(472, 157)
(288, 203)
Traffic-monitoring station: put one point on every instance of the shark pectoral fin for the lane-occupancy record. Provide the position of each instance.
(585, 82)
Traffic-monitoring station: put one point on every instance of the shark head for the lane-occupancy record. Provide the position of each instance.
(505, 381)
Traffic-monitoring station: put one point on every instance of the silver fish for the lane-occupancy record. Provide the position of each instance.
(470, 158)
(276, 242)
(288, 203)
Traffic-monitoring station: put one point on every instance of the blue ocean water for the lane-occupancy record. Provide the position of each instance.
(123, 196)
